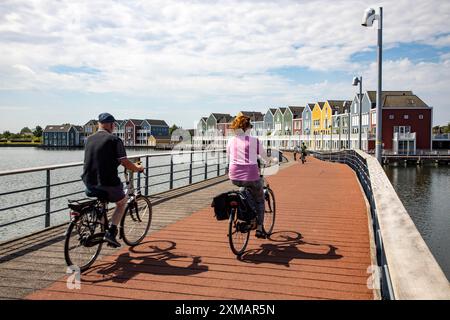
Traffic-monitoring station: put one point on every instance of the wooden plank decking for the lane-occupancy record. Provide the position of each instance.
(320, 249)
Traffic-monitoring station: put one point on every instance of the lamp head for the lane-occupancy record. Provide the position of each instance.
(355, 81)
(369, 17)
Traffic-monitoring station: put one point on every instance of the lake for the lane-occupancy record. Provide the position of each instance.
(425, 193)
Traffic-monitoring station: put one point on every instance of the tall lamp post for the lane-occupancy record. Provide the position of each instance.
(368, 19)
(357, 81)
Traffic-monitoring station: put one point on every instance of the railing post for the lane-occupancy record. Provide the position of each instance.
(146, 175)
(47, 200)
(171, 172)
(190, 168)
(206, 165)
(218, 163)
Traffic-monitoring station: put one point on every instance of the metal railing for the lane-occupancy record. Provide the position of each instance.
(407, 269)
(359, 165)
(195, 165)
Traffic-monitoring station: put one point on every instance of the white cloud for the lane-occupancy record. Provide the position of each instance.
(215, 51)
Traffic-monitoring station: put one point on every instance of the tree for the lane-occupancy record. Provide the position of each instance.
(25, 130)
(173, 128)
(6, 134)
(37, 131)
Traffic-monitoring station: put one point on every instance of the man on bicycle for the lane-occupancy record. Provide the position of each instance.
(103, 153)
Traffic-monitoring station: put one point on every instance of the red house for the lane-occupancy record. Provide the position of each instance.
(407, 122)
(297, 126)
(130, 134)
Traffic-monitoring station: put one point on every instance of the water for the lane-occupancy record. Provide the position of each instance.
(27, 157)
(424, 191)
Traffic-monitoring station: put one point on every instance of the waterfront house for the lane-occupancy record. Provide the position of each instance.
(330, 107)
(365, 116)
(119, 129)
(316, 117)
(201, 127)
(268, 120)
(307, 119)
(90, 127)
(213, 121)
(138, 132)
(278, 121)
(65, 135)
(340, 121)
(291, 113)
(257, 120)
(406, 121)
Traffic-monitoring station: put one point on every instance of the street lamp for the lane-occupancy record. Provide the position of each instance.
(369, 17)
(355, 82)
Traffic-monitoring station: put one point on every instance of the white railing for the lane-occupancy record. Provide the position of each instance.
(404, 136)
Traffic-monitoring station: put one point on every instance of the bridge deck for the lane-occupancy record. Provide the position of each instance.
(320, 249)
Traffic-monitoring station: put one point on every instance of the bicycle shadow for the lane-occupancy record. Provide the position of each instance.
(285, 247)
(150, 257)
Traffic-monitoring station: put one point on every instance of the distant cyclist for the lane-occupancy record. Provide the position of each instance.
(103, 153)
(303, 152)
(243, 151)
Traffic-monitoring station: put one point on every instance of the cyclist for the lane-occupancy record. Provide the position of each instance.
(103, 153)
(303, 151)
(243, 151)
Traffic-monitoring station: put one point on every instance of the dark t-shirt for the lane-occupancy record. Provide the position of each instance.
(102, 154)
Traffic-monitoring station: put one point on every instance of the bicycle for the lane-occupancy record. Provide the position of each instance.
(239, 230)
(89, 221)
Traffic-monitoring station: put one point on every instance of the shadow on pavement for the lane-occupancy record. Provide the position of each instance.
(286, 246)
(150, 257)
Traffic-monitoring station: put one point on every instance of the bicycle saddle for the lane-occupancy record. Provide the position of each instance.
(96, 193)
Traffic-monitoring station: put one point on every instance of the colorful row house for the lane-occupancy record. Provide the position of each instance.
(335, 124)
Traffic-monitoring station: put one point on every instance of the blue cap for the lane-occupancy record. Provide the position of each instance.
(105, 118)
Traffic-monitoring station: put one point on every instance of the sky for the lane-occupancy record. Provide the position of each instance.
(67, 61)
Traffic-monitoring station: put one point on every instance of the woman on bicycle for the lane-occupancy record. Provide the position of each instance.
(243, 152)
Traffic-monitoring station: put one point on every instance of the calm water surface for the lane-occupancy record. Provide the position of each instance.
(425, 193)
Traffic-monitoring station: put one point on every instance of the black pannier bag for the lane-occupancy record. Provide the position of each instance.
(221, 206)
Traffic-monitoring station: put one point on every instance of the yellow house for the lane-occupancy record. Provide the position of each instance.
(316, 118)
(329, 107)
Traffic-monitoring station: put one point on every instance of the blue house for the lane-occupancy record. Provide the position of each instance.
(307, 119)
(65, 135)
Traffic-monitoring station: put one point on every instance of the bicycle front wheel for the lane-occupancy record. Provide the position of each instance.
(136, 221)
(269, 211)
(237, 236)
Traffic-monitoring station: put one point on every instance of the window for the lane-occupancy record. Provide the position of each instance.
(421, 116)
(405, 116)
(391, 117)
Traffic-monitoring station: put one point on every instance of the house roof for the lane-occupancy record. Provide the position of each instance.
(253, 115)
(321, 104)
(336, 105)
(218, 116)
(136, 122)
(282, 110)
(372, 95)
(120, 122)
(311, 105)
(409, 101)
(78, 128)
(154, 122)
(296, 111)
(346, 105)
(58, 128)
(273, 110)
(91, 123)
(224, 118)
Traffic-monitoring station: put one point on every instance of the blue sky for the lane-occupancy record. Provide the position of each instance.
(68, 61)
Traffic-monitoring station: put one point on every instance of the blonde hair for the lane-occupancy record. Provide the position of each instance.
(241, 122)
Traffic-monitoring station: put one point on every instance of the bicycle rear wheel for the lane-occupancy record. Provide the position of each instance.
(83, 243)
(136, 221)
(238, 239)
(269, 211)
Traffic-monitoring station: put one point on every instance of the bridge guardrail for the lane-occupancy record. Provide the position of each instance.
(408, 269)
(217, 162)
